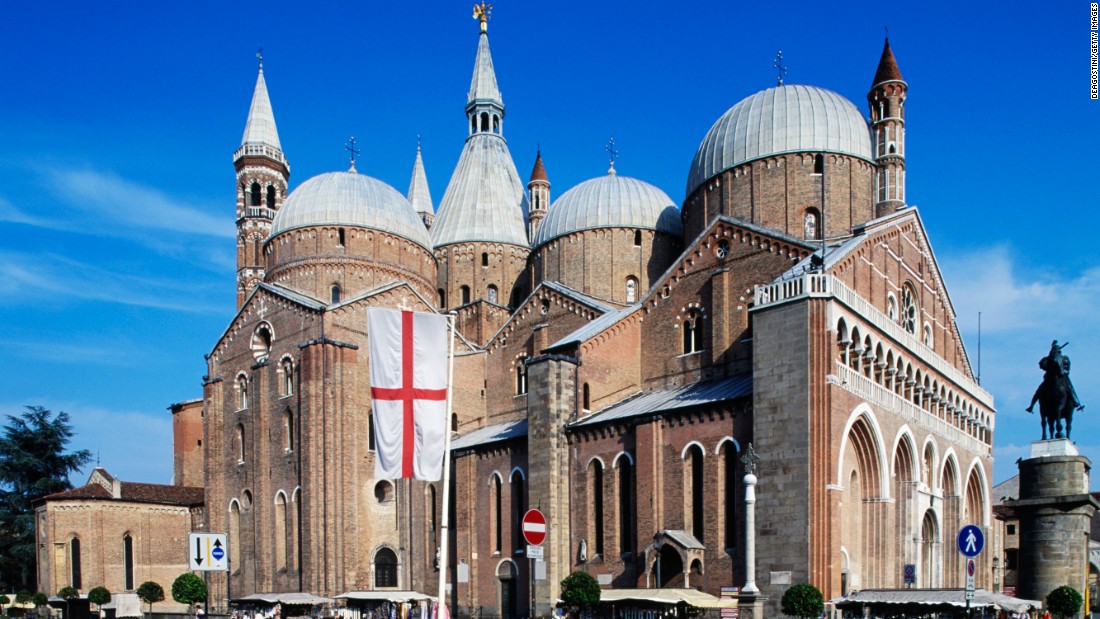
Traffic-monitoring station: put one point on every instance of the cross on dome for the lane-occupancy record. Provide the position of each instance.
(614, 152)
(778, 64)
(350, 147)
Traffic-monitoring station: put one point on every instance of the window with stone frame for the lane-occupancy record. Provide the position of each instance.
(385, 568)
(631, 289)
(242, 392)
(909, 310)
(286, 372)
(692, 332)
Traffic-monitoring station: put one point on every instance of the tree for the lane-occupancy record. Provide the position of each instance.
(68, 594)
(580, 591)
(150, 593)
(4, 601)
(802, 600)
(33, 464)
(40, 599)
(1064, 601)
(99, 596)
(188, 589)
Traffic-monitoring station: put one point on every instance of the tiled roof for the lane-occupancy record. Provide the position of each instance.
(491, 434)
(695, 394)
(135, 493)
(887, 66)
(538, 173)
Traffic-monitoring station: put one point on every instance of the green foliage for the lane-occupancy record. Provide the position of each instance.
(802, 600)
(580, 591)
(188, 589)
(68, 593)
(33, 463)
(1064, 601)
(4, 601)
(150, 593)
(99, 596)
(40, 599)
(22, 596)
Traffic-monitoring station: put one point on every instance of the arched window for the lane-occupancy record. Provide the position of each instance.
(909, 308)
(370, 432)
(384, 492)
(637, 238)
(261, 342)
(891, 306)
(693, 463)
(484, 121)
(484, 259)
(288, 431)
(340, 237)
(521, 376)
(235, 533)
(242, 392)
(819, 164)
(729, 495)
(281, 540)
(811, 225)
(496, 123)
(385, 568)
(431, 507)
(254, 198)
(519, 507)
(465, 294)
(335, 290)
(128, 562)
(631, 289)
(927, 335)
(626, 505)
(495, 517)
(595, 501)
(287, 367)
(271, 196)
(240, 443)
(74, 558)
(492, 293)
(454, 422)
(692, 333)
(586, 397)
(442, 298)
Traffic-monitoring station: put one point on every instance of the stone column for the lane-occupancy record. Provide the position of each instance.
(1055, 510)
(750, 603)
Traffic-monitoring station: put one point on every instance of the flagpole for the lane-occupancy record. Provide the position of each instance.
(446, 515)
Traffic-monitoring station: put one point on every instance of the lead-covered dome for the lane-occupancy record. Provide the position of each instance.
(610, 201)
(350, 199)
(784, 119)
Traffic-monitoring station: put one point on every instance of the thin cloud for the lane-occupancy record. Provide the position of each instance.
(36, 278)
(125, 202)
(62, 352)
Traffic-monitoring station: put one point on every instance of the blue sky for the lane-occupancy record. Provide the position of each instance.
(118, 122)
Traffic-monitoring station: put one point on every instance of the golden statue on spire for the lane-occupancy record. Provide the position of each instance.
(482, 12)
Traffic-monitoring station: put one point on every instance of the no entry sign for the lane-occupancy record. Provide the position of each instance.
(534, 527)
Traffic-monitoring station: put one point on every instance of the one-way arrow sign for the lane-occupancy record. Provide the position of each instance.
(206, 552)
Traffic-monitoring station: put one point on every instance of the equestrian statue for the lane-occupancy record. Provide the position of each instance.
(1056, 396)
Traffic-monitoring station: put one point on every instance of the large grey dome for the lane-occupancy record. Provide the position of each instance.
(610, 201)
(350, 199)
(784, 119)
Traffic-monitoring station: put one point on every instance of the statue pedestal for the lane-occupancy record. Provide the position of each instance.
(1055, 512)
(750, 606)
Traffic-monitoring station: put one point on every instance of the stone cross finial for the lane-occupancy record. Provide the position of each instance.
(482, 12)
(778, 64)
(749, 460)
(260, 55)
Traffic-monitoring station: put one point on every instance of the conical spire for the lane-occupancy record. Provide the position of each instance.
(538, 173)
(483, 86)
(887, 66)
(260, 127)
(419, 196)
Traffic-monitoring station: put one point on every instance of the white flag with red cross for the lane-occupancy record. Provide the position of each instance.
(408, 376)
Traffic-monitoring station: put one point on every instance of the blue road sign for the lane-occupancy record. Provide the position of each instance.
(217, 553)
(971, 540)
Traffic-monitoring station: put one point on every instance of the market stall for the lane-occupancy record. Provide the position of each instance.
(659, 604)
(281, 606)
(385, 605)
(929, 604)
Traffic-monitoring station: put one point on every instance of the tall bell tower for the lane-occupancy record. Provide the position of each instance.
(887, 102)
(539, 190)
(262, 174)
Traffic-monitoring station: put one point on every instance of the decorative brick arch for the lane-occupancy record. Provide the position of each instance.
(864, 412)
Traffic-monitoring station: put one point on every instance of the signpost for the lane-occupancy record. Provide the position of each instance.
(970, 541)
(533, 526)
(208, 552)
(909, 574)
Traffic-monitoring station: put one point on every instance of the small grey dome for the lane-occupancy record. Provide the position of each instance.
(784, 119)
(610, 201)
(350, 199)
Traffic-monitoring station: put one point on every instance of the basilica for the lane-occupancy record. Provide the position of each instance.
(616, 354)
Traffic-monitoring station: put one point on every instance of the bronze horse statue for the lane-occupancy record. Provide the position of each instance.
(1056, 395)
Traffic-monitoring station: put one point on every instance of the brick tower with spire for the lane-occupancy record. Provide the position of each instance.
(539, 190)
(887, 102)
(262, 175)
